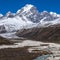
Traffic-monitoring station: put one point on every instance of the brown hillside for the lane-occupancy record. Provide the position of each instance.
(46, 34)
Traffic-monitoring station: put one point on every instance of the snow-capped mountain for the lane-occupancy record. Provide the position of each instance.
(27, 17)
(29, 12)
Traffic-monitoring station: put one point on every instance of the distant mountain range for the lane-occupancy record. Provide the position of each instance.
(27, 17)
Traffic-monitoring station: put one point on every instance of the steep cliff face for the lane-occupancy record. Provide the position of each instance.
(46, 34)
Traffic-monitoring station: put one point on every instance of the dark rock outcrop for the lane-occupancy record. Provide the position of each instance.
(2, 29)
(4, 41)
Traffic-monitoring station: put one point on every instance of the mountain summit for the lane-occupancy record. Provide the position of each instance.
(30, 12)
(26, 8)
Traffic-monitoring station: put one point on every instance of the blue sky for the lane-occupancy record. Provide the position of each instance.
(14, 5)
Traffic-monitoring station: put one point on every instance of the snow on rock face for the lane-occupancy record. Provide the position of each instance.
(12, 24)
(30, 12)
(48, 16)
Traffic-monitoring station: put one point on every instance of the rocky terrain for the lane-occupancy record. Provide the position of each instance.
(25, 50)
(19, 54)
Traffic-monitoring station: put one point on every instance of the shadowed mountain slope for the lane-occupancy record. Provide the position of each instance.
(45, 34)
